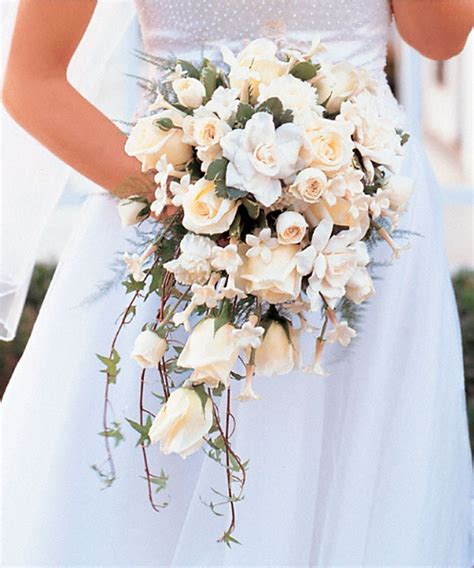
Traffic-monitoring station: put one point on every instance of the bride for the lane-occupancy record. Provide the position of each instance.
(368, 467)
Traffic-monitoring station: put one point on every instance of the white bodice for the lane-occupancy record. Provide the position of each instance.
(355, 30)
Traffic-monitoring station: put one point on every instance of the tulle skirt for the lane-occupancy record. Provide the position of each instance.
(369, 466)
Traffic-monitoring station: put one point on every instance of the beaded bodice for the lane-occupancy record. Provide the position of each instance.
(356, 30)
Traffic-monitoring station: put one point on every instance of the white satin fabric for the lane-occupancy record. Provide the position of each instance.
(367, 467)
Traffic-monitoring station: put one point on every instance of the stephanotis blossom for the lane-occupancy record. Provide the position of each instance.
(341, 333)
(260, 156)
(226, 258)
(261, 245)
(249, 335)
(331, 261)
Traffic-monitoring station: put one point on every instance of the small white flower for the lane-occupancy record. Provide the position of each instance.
(379, 203)
(134, 264)
(342, 333)
(178, 190)
(224, 102)
(247, 392)
(205, 294)
(161, 200)
(182, 318)
(249, 335)
(230, 290)
(261, 245)
(164, 170)
(226, 258)
(315, 367)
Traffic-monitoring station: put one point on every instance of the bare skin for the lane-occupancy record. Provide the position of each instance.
(47, 33)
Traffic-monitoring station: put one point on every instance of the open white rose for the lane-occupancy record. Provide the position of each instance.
(277, 353)
(212, 355)
(148, 142)
(261, 155)
(337, 83)
(291, 227)
(309, 185)
(182, 423)
(193, 264)
(148, 349)
(275, 281)
(331, 145)
(296, 95)
(256, 64)
(129, 211)
(190, 92)
(205, 212)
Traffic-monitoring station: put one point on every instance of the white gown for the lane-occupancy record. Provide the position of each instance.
(367, 467)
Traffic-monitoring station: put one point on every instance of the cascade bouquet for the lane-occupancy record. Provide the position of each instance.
(273, 175)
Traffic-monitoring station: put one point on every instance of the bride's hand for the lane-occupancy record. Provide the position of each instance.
(167, 212)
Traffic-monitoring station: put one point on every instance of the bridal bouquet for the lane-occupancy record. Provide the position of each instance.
(272, 178)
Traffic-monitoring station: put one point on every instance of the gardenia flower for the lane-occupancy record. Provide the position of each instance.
(182, 423)
(205, 212)
(296, 95)
(226, 258)
(261, 245)
(129, 210)
(261, 155)
(331, 261)
(190, 92)
(212, 355)
(291, 227)
(148, 142)
(224, 102)
(193, 264)
(148, 349)
(134, 264)
(249, 335)
(277, 353)
(342, 333)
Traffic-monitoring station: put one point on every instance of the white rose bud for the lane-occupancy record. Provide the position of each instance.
(182, 423)
(190, 92)
(277, 354)
(291, 228)
(148, 349)
(399, 190)
(309, 185)
(129, 211)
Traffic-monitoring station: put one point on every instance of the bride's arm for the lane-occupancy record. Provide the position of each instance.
(438, 29)
(39, 97)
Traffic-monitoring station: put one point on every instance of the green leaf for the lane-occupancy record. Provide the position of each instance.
(236, 226)
(111, 365)
(114, 433)
(209, 80)
(227, 192)
(217, 170)
(160, 481)
(142, 430)
(273, 105)
(202, 394)
(244, 114)
(188, 68)
(132, 285)
(252, 207)
(305, 70)
(223, 316)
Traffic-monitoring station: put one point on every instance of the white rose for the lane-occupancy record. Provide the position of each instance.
(129, 211)
(205, 212)
(399, 190)
(190, 92)
(182, 423)
(331, 145)
(277, 353)
(148, 349)
(275, 281)
(261, 155)
(291, 228)
(309, 185)
(296, 95)
(208, 130)
(211, 354)
(148, 142)
(193, 264)
(337, 83)
(256, 64)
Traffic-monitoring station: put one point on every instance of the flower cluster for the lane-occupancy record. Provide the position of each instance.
(281, 171)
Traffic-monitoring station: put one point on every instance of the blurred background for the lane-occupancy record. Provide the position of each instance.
(438, 100)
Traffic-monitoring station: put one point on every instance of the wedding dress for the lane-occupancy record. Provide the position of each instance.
(369, 466)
